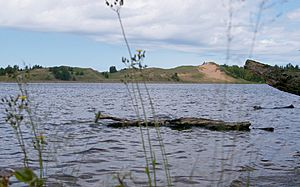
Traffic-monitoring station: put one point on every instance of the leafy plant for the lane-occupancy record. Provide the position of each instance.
(20, 117)
(27, 176)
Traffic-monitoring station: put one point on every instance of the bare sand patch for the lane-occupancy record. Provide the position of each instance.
(213, 73)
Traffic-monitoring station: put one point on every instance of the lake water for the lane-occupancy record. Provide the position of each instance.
(82, 153)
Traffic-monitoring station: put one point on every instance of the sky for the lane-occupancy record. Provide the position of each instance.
(86, 33)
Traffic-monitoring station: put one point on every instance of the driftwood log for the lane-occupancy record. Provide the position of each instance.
(282, 107)
(179, 123)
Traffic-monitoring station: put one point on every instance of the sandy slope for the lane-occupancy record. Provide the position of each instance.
(212, 73)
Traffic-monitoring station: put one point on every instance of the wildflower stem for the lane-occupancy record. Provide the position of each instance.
(143, 108)
(124, 35)
(160, 139)
(152, 156)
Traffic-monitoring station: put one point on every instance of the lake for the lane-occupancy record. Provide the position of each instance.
(82, 153)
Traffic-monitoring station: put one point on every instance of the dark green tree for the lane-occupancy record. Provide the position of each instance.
(2, 71)
(105, 74)
(241, 73)
(16, 68)
(9, 70)
(37, 67)
(175, 77)
(61, 73)
(112, 69)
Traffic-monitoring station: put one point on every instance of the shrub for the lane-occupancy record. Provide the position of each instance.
(61, 73)
(175, 77)
(241, 73)
(112, 69)
(105, 74)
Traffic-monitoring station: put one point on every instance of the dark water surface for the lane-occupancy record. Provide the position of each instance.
(82, 153)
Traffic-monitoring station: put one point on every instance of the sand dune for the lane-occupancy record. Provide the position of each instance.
(213, 73)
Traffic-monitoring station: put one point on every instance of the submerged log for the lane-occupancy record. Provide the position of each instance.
(180, 123)
(280, 107)
(282, 79)
(270, 129)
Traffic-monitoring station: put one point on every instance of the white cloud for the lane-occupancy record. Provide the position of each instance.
(198, 26)
(295, 15)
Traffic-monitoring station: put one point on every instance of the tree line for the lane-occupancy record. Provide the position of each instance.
(289, 67)
(11, 70)
(241, 73)
(60, 73)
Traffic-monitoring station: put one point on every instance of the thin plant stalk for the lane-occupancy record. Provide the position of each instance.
(135, 105)
(152, 155)
(229, 27)
(124, 35)
(160, 139)
(19, 114)
(144, 112)
(37, 138)
(257, 23)
(20, 139)
(134, 99)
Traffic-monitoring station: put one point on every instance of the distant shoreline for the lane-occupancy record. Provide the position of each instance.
(120, 82)
(207, 73)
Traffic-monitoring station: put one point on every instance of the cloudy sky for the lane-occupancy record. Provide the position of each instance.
(86, 33)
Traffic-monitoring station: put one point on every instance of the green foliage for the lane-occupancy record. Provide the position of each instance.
(105, 75)
(2, 183)
(20, 117)
(36, 67)
(61, 73)
(242, 73)
(113, 69)
(289, 67)
(12, 70)
(27, 176)
(9, 70)
(175, 77)
(15, 111)
(71, 69)
(2, 72)
(121, 179)
(79, 73)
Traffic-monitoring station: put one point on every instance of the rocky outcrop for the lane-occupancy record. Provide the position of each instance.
(282, 79)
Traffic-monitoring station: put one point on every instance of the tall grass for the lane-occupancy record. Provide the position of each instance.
(21, 118)
(138, 100)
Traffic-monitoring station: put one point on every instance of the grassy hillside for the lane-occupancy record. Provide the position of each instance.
(241, 73)
(178, 74)
(206, 73)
